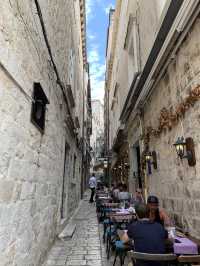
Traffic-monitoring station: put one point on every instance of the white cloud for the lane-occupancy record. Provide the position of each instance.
(93, 56)
(97, 78)
(97, 74)
(97, 67)
(107, 9)
(97, 70)
(91, 36)
(89, 7)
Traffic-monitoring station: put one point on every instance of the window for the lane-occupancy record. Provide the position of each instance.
(39, 107)
(115, 96)
(64, 184)
(131, 44)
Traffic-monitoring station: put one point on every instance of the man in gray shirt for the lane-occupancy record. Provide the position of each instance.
(92, 186)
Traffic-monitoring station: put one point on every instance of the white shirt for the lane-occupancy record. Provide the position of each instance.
(116, 192)
(92, 182)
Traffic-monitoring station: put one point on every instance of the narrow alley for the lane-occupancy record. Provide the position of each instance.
(99, 98)
(85, 247)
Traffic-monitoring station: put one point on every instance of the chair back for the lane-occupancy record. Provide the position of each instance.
(188, 258)
(151, 257)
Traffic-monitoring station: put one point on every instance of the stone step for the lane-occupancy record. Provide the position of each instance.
(68, 231)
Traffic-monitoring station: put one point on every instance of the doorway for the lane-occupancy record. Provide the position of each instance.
(136, 165)
(65, 182)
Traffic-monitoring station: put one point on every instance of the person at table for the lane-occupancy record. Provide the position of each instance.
(138, 197)
(155, 213)
(148, 236)
(115, 192)
(92, 185)
(124, 195)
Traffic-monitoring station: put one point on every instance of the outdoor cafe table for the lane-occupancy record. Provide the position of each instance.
(121, 218)
(186, 248)
(104, 198)
(110, 205)
(183, 245)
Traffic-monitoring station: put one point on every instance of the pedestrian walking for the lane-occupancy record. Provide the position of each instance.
(92, 185)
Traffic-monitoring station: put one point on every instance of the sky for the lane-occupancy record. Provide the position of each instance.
(97, 15)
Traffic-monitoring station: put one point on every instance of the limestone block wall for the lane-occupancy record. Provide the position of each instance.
(177, 184)
(31, 164)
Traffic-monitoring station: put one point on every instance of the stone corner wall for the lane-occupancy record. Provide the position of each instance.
(32, 164)
(177, 184)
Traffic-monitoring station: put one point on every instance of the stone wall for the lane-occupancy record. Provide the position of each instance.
(177, 184)
(31, 164)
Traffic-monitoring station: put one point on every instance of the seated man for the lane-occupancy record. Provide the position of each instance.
(156, 214)
(148, 236)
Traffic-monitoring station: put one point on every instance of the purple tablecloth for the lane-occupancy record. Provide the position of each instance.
(185, 246)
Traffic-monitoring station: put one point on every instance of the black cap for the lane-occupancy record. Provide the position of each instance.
(152, 199)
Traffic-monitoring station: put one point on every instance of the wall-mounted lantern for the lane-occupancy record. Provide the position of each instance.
(126, 165)
(151, 159)
(185, 150)
(105, 164)
(38, 109)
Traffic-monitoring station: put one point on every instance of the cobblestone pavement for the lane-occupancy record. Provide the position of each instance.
(85, 247)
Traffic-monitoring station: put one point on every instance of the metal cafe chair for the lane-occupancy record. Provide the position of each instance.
(165, 259)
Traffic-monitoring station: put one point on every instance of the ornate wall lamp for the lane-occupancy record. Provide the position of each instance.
(105, 164)
(126, 165)
(151, 159)
(185, 150)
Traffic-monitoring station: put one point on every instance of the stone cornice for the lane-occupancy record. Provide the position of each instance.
(83, 29)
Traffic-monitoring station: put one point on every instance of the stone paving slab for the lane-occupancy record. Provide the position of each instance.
(85, 248)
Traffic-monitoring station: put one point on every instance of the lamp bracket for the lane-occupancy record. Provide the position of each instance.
(190, 152)
(154, 159)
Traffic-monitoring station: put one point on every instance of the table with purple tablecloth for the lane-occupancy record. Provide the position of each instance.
(183, 245)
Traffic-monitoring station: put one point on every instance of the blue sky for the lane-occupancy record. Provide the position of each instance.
(97, 13)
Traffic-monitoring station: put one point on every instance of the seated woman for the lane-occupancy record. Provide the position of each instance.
(155, 213)
(138, 198)
(148, 236)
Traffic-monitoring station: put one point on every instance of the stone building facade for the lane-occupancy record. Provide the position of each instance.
(42, 67)
(161, 104)
(97, 137)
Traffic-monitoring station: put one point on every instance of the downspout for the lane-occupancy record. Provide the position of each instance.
(59, 82)
(141, 120)
(83, 143)
(108, 144)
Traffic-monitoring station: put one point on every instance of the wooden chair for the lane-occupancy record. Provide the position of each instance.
(166, 259)
(188, 259)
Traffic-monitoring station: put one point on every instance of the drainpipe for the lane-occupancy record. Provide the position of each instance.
(83, 138)
(108, 155)
(141, 119)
